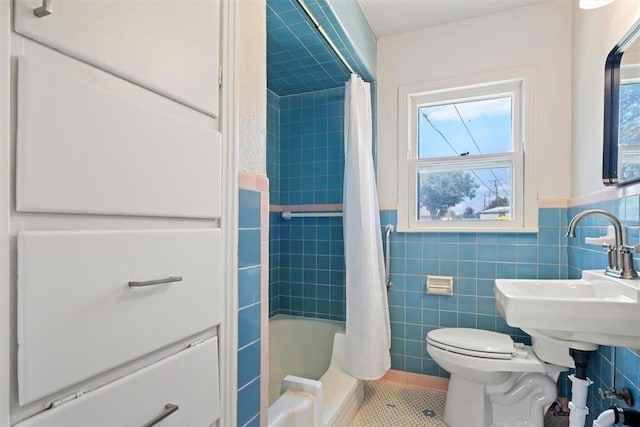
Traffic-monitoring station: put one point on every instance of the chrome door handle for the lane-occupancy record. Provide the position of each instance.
(169, 409)
(169, 279)
(45, 9)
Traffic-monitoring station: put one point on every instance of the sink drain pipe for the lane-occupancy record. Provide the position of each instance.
(615, 415)
(578, 410)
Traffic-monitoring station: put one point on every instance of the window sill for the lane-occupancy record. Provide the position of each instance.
(404, 229)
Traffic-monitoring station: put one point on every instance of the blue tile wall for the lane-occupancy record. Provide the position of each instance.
(310, 275)
(474, 260)
(585, 257)
(305, 163)
(312, 147)
(249, 308)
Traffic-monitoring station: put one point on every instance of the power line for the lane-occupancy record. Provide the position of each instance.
(455, 106)
(454, 150)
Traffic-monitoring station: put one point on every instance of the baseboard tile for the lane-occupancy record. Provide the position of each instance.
(418, 380)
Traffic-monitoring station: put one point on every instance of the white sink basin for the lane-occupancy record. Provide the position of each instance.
(596, 309)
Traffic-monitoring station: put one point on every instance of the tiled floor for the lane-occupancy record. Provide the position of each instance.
(390, 405)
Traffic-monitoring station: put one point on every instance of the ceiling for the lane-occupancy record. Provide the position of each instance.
(389, 17)
(299, 60)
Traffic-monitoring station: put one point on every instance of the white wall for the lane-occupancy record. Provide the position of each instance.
(595, 32)
(252, 86)
(538, 36)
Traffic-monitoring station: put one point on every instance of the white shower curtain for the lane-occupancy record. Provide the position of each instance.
(367, 329)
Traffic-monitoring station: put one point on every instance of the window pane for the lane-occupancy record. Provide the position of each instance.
(472, 127)
(478, 194)
(629, 131)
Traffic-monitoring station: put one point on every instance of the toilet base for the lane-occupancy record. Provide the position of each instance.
(517, 402)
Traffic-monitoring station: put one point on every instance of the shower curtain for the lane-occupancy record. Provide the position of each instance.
(367, 327)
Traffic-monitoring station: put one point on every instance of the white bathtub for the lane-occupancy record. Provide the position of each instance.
(308, 385)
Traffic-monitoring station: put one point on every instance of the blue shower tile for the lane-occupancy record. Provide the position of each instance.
(396, 313)
(506, 271)
(248, 405)
(248, 325)
(486, 305)
(430, 317)
(548, 254)
(413, 332)
(548, 236)
(397, 361)
(486, 270)
(413, 300)
(413, 364)
(248, 364)
(449, 251)
(413, 348)
(467, 286)
(467, 304)
(506, 253)
(397, 346)
(448, 319)
(487, 252)
(467, 252)
(398, 330)
(526, 271)
(486, 322)
(549, 217)
(249, 209)
(527, 239)
(413, 315)
(248, 247)
(467, 269)
(448, 268)
(484, 287)
(430, 367)
(430, 301)
(449, 303)
(248, 286)
(413, 266)
(527, 253)
(466, 320)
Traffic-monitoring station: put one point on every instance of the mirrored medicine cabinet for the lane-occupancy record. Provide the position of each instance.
(621, 155)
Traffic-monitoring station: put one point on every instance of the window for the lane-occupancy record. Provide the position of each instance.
(462, 158)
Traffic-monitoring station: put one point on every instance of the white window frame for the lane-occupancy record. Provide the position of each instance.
(520, 85)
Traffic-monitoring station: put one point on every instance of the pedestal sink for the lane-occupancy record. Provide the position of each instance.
(596, 309)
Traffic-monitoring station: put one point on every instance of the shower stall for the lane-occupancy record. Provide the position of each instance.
(305, 165)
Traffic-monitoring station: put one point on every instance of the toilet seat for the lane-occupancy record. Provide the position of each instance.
(476, 343)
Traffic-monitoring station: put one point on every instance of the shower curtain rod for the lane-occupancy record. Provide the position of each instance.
(289, 214)
(324, 34)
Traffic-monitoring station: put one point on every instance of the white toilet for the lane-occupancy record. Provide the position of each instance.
(495, 382)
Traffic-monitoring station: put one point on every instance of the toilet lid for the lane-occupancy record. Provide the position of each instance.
(473, 342)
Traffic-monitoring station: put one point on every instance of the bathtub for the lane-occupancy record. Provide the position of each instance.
(308, 385)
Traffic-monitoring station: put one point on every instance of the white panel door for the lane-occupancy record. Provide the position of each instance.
(171, 47)
(188, 380)
(79, 315)
(84, 147)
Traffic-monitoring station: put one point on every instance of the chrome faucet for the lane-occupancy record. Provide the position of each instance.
(620, 257)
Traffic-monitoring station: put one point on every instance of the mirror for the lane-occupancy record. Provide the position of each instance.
(621, 157)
